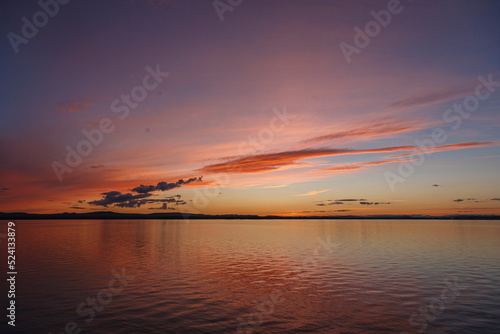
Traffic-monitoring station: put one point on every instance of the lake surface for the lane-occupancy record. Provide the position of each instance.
(256, 276)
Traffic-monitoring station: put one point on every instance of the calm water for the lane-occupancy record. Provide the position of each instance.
(276, 276)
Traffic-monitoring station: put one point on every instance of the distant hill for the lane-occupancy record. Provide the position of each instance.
(178, 215)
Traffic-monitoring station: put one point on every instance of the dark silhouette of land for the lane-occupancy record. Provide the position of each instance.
(178, 215)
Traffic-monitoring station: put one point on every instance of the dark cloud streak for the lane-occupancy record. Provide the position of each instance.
(164, 186)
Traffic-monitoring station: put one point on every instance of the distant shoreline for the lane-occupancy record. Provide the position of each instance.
(177, 215)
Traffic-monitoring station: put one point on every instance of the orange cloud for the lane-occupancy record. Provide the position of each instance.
(272, 161)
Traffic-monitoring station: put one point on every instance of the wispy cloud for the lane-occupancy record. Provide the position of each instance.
(361, 201)
(312, 193)
(342, 168)
(275, 186)
(433, 97)
(359, 165)
(382, 127)
(450, 147)
(473, 199)
(374, 203)
(272, 161)
(350, 200)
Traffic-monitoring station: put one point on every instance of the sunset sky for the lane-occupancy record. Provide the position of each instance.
(262, 112)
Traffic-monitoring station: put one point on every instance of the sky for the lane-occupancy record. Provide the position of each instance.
(267, 107)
